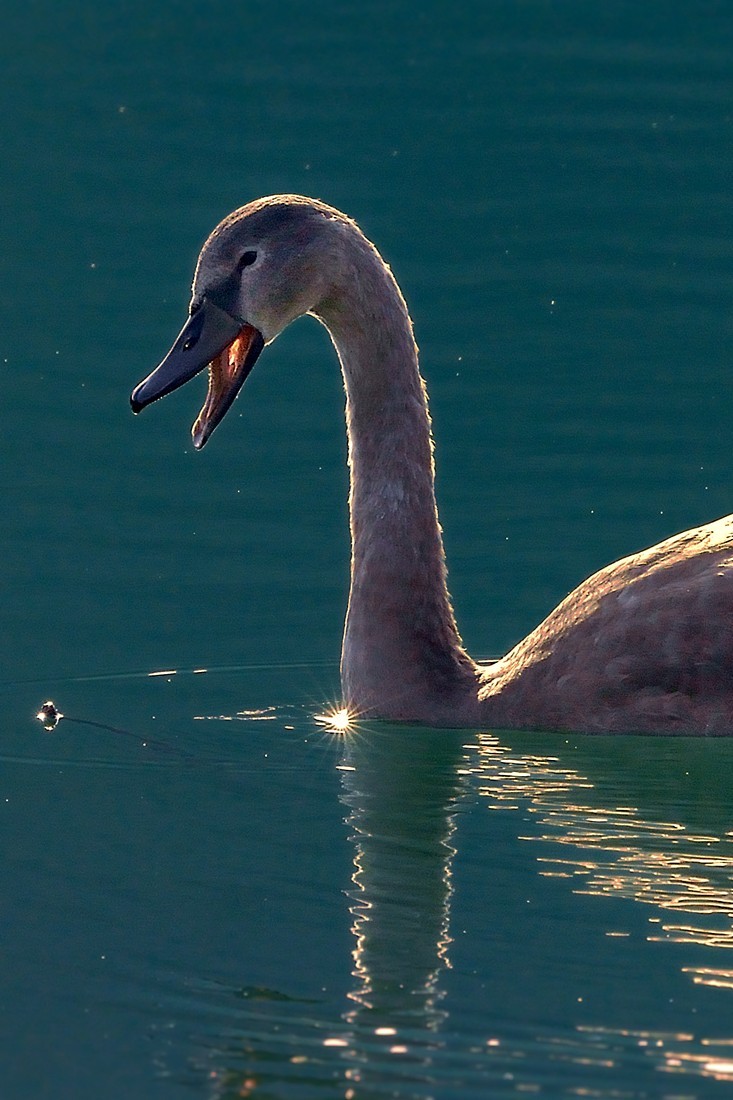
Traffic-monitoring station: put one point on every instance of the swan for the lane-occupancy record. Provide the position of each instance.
(643, 646)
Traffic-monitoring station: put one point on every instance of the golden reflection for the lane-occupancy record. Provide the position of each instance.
(672, 1052)
(613, 850)
(704, 975)
(266, 714)
(683, 875)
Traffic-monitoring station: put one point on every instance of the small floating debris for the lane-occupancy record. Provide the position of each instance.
(49, 715)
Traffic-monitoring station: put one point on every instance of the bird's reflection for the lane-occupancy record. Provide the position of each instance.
(401, 788)
(607, 819)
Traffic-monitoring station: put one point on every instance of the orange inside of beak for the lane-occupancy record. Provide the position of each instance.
(226, 374)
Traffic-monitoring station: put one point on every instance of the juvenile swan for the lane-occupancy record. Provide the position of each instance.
(645, 645)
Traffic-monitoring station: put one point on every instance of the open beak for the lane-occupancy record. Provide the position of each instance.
(210, 338)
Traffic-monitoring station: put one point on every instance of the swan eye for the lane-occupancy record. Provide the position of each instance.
(246, 260)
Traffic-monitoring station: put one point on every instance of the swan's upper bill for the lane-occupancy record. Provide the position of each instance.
(645, 645)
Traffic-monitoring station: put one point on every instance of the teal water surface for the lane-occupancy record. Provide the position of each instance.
(206, 893)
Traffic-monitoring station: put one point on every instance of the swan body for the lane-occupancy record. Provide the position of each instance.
(645, 645)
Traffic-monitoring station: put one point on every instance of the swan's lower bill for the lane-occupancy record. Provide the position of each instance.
(227, 372)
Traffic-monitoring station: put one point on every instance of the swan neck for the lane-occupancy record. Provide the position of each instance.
(402, 654)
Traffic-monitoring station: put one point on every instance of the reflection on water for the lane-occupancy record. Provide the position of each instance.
(686, 877)
(400, 898)
(395, 1031)
(612, 850)
(678, 1053)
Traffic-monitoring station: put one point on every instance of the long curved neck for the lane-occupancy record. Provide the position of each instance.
(402, 653)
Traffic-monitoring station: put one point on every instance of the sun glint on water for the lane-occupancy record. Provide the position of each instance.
(335, 721)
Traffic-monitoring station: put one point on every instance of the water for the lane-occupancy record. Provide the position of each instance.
(206, 893)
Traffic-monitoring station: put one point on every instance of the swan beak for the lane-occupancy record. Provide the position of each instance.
(210, 338)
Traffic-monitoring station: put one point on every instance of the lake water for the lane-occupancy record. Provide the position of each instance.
(204, 893)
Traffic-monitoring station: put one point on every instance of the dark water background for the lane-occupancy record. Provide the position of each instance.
(255, 907)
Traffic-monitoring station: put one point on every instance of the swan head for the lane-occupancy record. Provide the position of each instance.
(262, 267)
